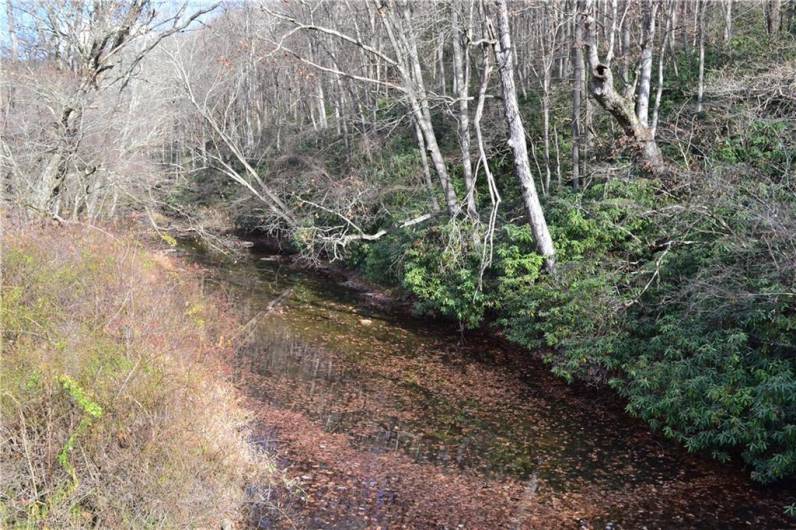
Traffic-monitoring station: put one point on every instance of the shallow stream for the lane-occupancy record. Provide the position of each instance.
(389, 421)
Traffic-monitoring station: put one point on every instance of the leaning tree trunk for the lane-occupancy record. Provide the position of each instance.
(426, 171)
(522, 166)
(423, 116)
(404, 43)
(620, 107)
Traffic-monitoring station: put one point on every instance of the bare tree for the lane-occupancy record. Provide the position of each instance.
(549, 28)
(461, 72)
(522, 166)
(100, 44)
(632, 116)
(227, 132)
(577, 91)
(702, 8)
(494, 193)
(397, 22)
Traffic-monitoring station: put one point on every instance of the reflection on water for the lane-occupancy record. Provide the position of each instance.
(396, 384)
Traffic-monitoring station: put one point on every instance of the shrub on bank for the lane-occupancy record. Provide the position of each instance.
(683, 303)
(114, 408)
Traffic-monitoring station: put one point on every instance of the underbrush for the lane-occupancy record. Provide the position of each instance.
(681, 294)
(115, 409)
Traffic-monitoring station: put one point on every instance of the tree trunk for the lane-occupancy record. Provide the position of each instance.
(622, 111)
(586, 127)
(645, 74)
(443, 84)
(577, 89)
(727, 21)
(49, 182)
(773, 16)
(423, 116)
(667, 35)
(546, 120)
(701, 84)
(626, 52)
(548, 61)
(461, 59)
(323, 122)
(672, 34)
(684, 25)
(620, 107)
(426, 172)
(12, 31)
(52, 176)
(522, 166)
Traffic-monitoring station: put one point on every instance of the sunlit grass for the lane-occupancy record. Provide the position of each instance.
(115, 409)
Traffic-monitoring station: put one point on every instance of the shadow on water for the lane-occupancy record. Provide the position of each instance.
(396, 384)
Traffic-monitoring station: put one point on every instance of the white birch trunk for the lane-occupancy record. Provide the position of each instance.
(460, 70)
(522, 166)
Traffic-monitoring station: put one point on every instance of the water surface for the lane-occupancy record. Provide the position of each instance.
(386, 420)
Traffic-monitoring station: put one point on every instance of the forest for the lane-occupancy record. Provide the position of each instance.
(398, 264)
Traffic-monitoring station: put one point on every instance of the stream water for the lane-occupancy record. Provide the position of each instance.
(388, 421)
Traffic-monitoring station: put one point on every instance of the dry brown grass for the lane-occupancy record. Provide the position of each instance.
(115, 409)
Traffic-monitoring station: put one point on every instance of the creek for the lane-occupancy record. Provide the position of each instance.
(385, 420)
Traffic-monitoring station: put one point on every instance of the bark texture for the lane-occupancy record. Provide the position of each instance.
(522, 166)
(632, 118)
(461, 70)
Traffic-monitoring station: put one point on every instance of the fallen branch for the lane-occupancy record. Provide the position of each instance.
(384, 231)
(339, 241)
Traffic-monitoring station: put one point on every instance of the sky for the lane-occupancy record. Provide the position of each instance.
(22, 19)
